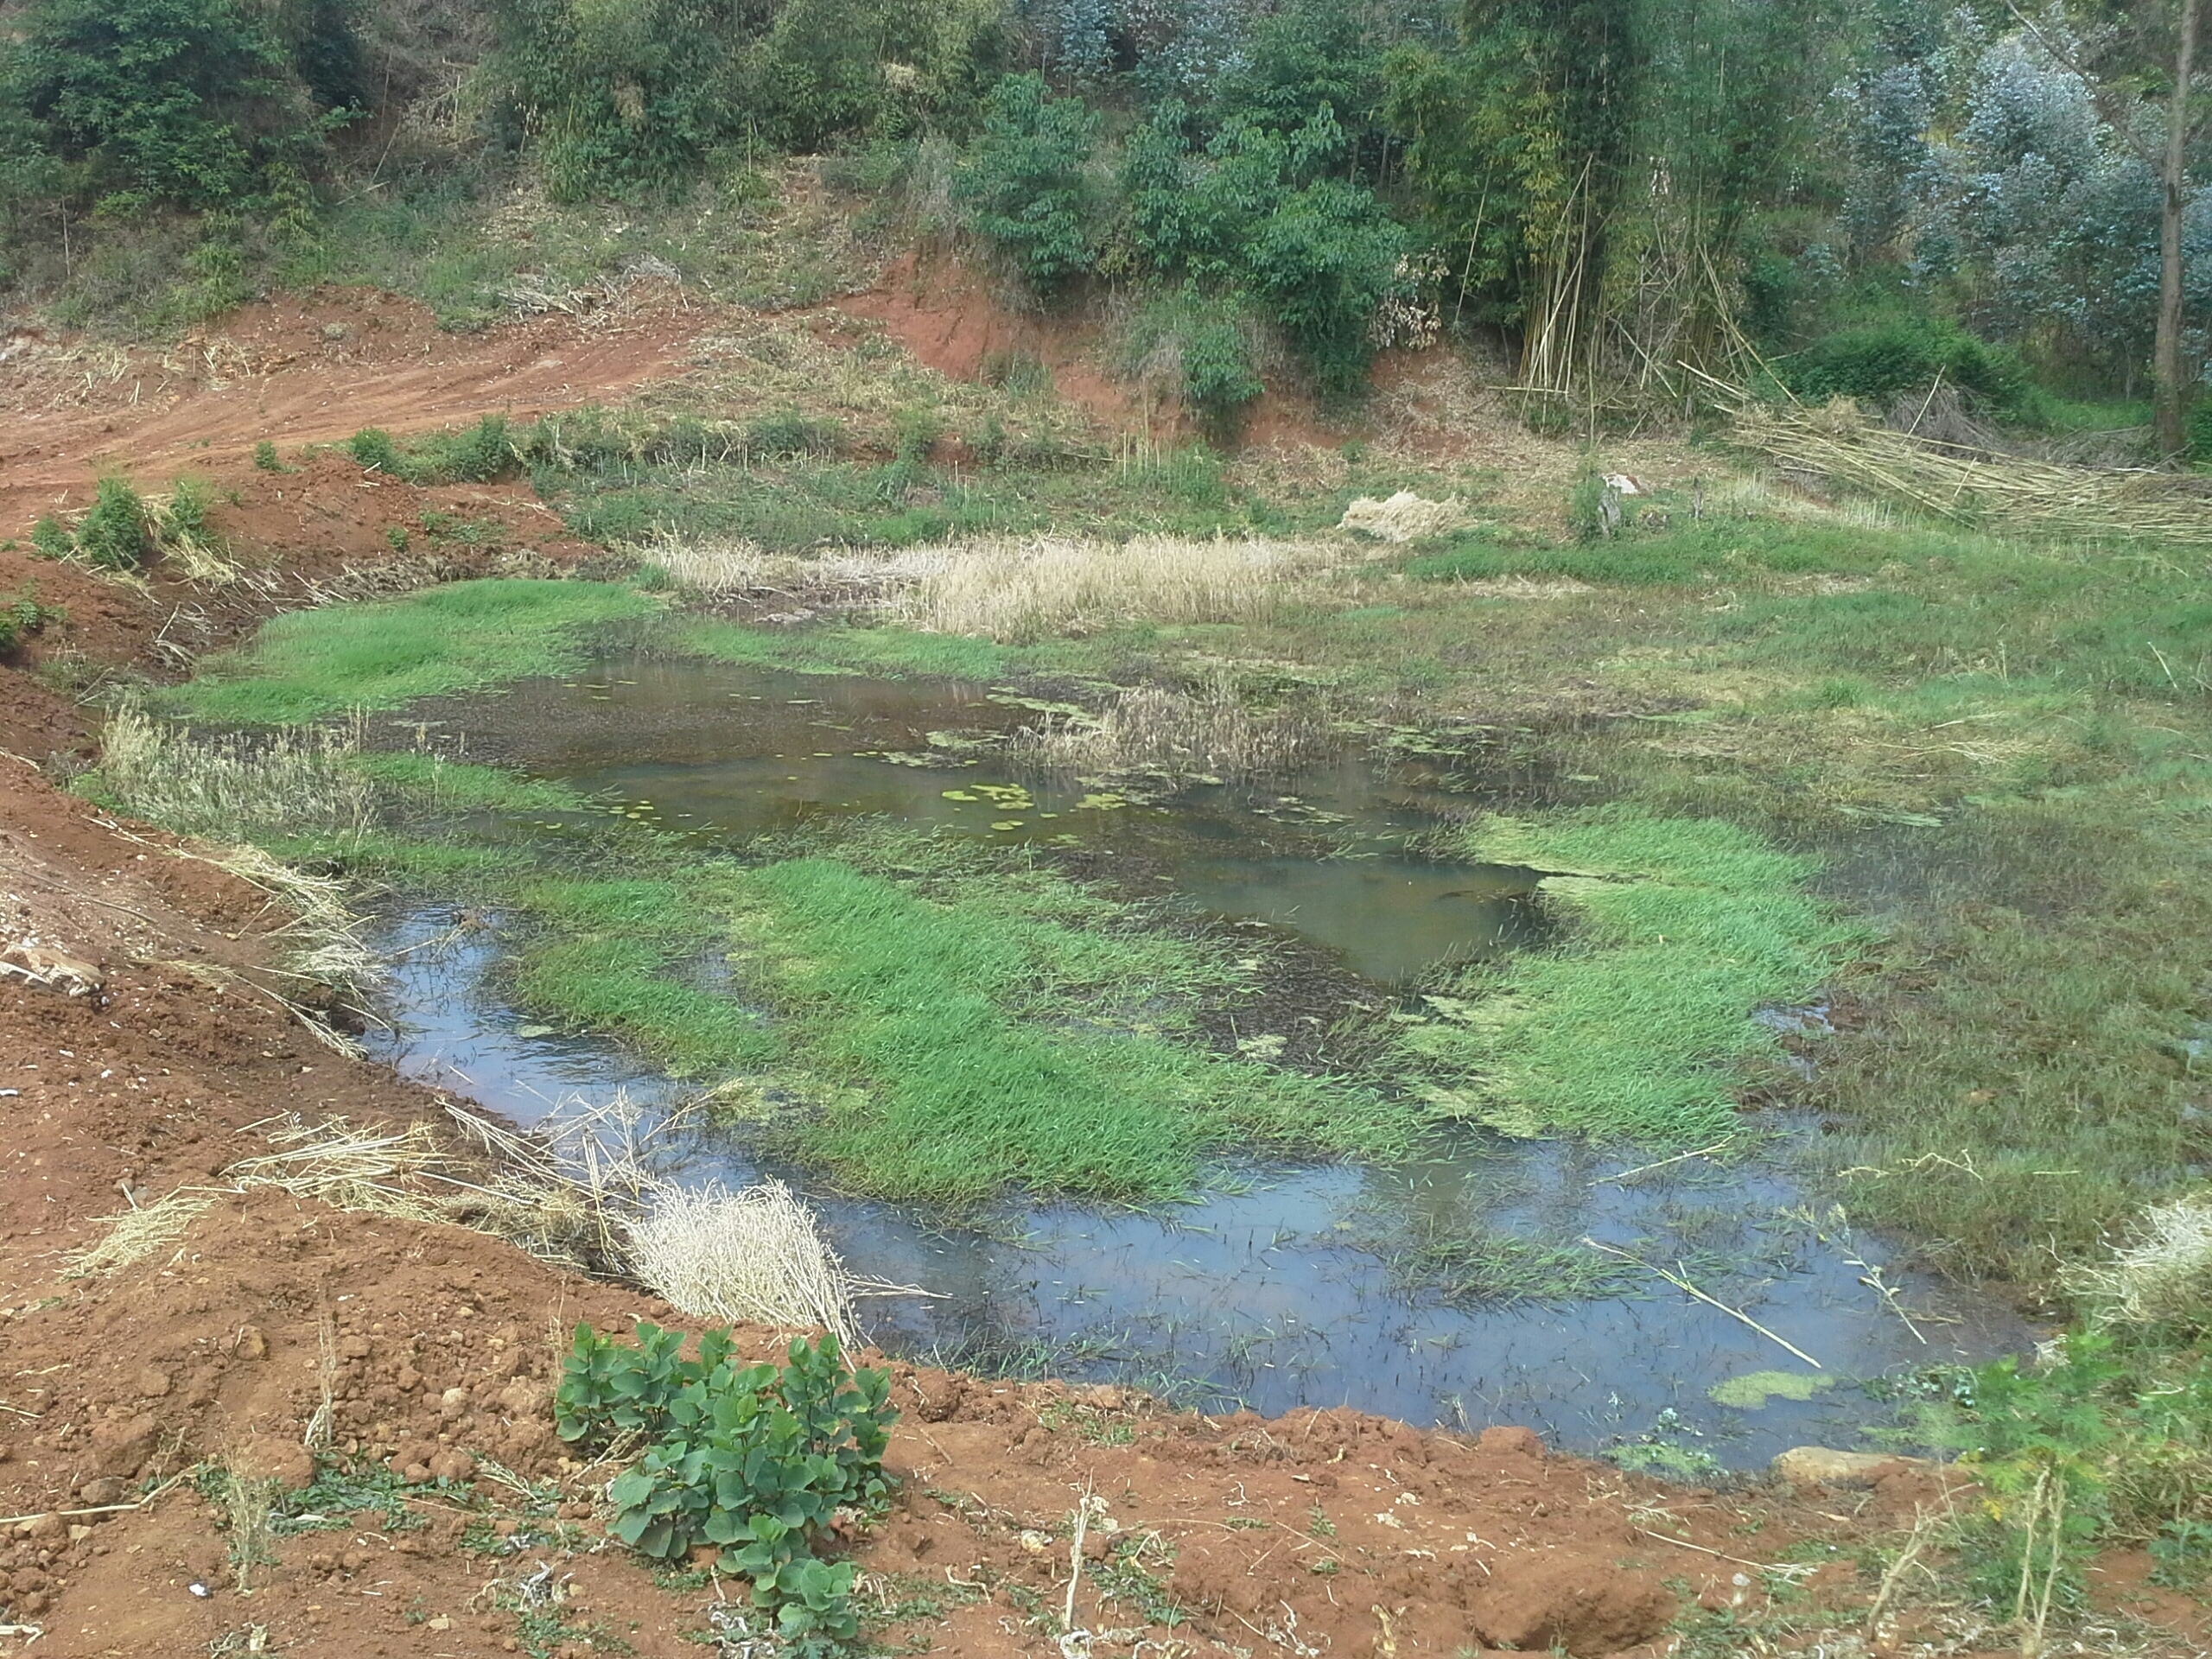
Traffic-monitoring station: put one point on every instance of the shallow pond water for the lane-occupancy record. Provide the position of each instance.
(1283, 1286)
(732, 752)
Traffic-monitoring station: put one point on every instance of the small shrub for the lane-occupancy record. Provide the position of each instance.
(265, 458)
(787, 432)
(1023, 182)
(2200, 430)
(1878, 362)
(756, 1460)
(476, 454)
(1590, 513)
(20, 617)
(112, 535)
(50, 538)
(372, 446)
(2182, 1551)
(1204, 344)
(1022, 374)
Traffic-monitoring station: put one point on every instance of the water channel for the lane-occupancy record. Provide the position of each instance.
(1276, 1288)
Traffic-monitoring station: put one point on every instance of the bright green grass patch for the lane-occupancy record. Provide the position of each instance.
(932, 1024)
(453, 785)
(890, 652)
(623, 986)
(979, 1047)
(453, 638)
(1636, 1026)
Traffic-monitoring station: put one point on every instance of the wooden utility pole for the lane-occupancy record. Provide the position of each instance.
(2171, 409)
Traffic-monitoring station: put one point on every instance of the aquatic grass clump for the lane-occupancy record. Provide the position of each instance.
(1635, 1026)
(456, 786)
(967, 1065)
(379, 655)
(925, 1020)
(892, 652)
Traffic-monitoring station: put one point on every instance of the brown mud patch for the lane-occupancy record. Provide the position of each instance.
(961, 324)
(312, 368)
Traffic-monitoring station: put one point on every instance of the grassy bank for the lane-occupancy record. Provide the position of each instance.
(312, 664)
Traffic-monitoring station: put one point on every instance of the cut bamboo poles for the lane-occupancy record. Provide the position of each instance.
(2008, 492)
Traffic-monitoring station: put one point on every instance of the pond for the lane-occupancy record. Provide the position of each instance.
(1283, 1284)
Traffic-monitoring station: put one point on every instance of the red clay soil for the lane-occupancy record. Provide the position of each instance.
(326, 529)
(1324, 1532)
(302, 370)
(958, 322)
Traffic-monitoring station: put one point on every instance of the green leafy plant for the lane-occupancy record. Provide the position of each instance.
(50, 538)
(22, 616)
(1022, 183)
(112, 535)
(265, 458)
(756, 1460)
(1911, 354)
(372, 446)
(169, 100)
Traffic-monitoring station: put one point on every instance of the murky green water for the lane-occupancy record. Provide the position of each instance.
(1279, 1289)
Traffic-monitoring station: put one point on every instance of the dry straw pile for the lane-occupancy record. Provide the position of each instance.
(1404, 516)
(1972, 486)
(2163, 1273)
(587, 1192)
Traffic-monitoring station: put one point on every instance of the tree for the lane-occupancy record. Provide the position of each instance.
(2171, 415)
(1023, 182)
(179, 100)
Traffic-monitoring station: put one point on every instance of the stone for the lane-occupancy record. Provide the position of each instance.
(275, 1456)
(1510, 1440)
(121, 1444)
(98, 1494)
(151, 1382)
(1819, 1465)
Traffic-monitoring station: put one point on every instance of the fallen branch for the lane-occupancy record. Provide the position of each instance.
(104, 1508)
(1681, 1283)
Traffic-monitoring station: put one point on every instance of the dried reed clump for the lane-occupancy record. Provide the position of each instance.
(187, 550)
(222, 787)
(2042, 496)
(1156, 728)
(587, 1192)
(716, 568)
(1404, 516)
(1019, 590)
(754, 1255)
(2163, 1274)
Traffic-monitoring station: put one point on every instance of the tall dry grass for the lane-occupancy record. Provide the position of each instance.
(222, 788)
(1021, 589)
